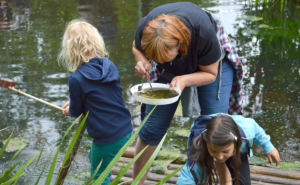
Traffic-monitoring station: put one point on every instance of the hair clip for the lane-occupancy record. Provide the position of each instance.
(200, 139)
(235, 138)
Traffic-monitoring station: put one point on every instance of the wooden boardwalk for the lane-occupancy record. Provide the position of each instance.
(259, 175)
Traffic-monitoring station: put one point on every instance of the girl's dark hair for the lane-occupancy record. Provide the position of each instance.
(217, 133)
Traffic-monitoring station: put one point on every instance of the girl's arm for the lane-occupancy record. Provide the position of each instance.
(223, 173)
(260, 137)
(263, 140)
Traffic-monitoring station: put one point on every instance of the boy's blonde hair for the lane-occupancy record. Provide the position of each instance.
(81, 40)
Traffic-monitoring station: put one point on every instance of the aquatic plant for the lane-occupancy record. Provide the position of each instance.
(7, 177)
(4, 180)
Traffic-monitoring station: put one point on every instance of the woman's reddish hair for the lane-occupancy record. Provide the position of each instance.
(161, 35)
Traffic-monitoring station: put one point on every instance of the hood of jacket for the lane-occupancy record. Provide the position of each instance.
(101, 70)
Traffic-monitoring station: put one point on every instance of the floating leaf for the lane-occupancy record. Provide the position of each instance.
(183, 133)
(253, 18)
(15, 144)
(169, 148)
(249, 18)
(160, 166)
(265, 26)
(165, 155)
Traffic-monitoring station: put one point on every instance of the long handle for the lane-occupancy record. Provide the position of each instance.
(35, 98)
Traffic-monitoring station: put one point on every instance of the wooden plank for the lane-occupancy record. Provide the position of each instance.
(150, 176)
(273, 179)
(275, 172)
(153, 179)
(253, 169)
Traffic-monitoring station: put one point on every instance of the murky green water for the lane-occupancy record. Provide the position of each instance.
(267, 40)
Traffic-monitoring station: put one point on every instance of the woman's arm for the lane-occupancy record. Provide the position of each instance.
(205, 75)
(142, 65)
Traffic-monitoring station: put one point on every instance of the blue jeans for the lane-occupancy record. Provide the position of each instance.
(156, 126)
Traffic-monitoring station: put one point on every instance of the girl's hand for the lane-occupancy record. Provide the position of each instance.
(275, 155)
(66, 109)
(141, 68)
(179, 82)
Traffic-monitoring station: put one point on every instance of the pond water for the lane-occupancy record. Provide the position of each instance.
(267, 38)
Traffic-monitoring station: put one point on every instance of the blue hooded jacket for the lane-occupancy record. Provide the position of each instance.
(95, 87)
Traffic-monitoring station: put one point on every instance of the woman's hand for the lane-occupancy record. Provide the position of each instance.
(141, 68)
(275, 155)
(179, 82)
(142, 65)
(66, 109)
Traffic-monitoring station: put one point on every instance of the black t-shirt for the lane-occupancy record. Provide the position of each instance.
(204, 48)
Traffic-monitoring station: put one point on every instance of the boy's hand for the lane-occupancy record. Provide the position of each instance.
(275, 155)
(66, 109)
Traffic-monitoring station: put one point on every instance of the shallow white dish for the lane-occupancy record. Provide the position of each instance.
(156, 86)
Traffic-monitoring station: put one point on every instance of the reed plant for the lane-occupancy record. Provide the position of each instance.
(272, 3)
(7, 177)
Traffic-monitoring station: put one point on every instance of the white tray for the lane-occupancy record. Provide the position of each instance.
(160, 86)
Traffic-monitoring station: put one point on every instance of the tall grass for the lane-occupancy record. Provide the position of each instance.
(7, 177)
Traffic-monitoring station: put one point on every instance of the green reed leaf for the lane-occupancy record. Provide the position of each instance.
(36, 164)
(6, 143)
(94, 174)
(52, 167)
(165, 179)
(8, 172)
(37, 181)
(123, 171)
(12, 179)
(120, 153)
(74, 139)
(72, 143)
(149, 162)
(18, 173)
(16, 154)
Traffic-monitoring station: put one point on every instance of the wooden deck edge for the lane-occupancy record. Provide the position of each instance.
(259, 175)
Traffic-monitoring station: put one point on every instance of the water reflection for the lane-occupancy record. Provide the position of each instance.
(267, 41)
(271, 61)
(101, 15)
(14, 14)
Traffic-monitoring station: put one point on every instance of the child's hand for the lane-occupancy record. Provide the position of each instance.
(275, 155)
(66, 109)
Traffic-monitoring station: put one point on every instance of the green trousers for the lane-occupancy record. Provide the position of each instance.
(106, 153)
